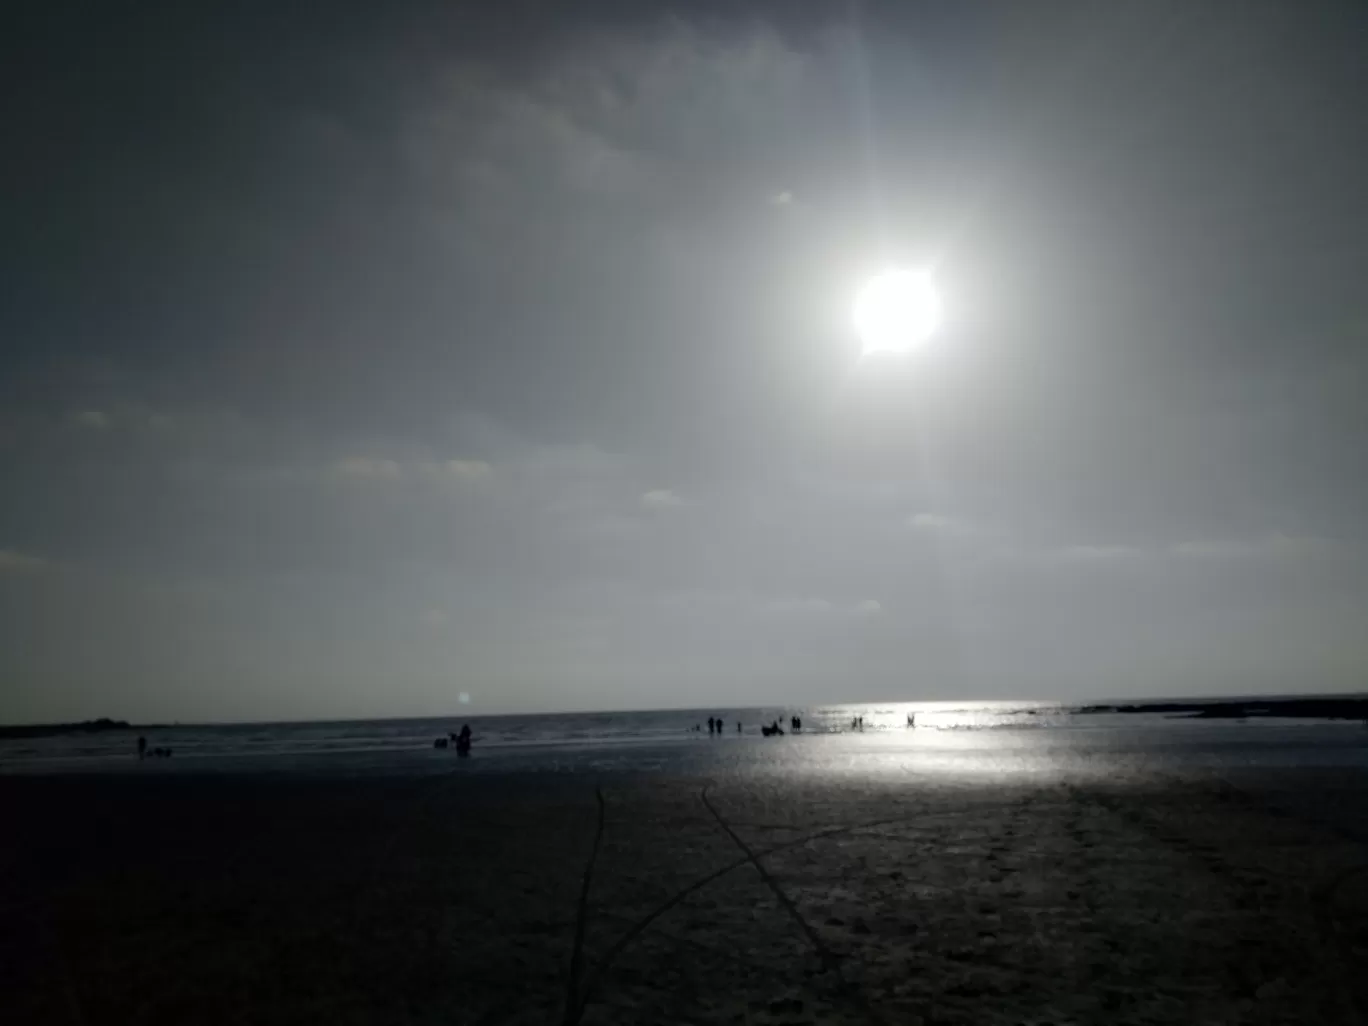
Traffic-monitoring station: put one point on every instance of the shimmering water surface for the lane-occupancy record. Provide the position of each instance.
(961, 737)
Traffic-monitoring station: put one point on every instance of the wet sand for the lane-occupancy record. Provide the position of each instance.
(538, 898)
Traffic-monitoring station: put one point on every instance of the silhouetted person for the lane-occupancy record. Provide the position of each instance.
(719, 726)
(738, 726)
(142, 747)
(463, 740)
(712, 726)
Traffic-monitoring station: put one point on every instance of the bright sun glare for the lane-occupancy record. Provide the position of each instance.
(897, 310)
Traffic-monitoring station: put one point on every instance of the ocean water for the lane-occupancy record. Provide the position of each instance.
(966, 737)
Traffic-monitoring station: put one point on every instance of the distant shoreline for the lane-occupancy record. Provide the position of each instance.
(100, 726)
(1235, 709)
(1350, 707)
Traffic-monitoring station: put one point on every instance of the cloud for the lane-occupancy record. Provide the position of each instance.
(939, 523)
(782, 198)
(620, 119)
(12, 562)
(369, 469)
(1097, 553)
(1272, 546)
(469, 470)
(810, 606)
(661, 498)
(957, 529)
(435, 617)
(1217, 549)
(92, 419)
(799, 606)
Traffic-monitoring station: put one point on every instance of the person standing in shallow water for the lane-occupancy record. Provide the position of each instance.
(712, 726)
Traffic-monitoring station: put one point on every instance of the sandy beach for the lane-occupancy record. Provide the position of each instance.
(643, 898)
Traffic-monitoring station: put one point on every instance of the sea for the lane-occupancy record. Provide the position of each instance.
(966, 738)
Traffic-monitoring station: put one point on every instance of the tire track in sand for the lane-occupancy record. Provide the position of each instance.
(829, 957)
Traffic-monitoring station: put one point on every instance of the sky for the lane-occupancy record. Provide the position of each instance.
(359, 356)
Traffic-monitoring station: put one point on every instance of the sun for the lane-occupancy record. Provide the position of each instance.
(897, 310)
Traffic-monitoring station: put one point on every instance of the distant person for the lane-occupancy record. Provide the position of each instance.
(911, 719)
(142, 747)
(719, 726)
(738, 726)
(463, 740)
(712, 726)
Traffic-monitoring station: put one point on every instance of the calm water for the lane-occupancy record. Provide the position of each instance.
(986, 737)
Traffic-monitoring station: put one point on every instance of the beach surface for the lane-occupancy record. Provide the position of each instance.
(838, 895)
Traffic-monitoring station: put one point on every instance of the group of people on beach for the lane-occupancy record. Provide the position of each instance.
(155, 753)
(461, 741)
(774, 730)
(716, 725)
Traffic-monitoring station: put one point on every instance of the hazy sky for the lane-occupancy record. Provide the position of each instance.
(356, 356)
